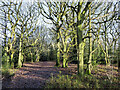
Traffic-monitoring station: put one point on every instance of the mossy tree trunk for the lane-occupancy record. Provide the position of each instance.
(65, 56)
(58, 49)
(90, 44)
(80, 41)
(119, 42)
(20, 59)
(6, 56)
(37, 56)
(13, 27)
(106, 48)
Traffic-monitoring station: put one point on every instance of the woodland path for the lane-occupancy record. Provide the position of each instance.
(35, 75)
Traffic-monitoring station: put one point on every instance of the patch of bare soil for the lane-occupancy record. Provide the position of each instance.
(35, 75)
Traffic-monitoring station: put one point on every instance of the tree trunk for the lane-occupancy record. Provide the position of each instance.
(75, 40)
(106, 48)
(80, 58)
(48, 55)
(65, 57)
(90, 44)
(93, 56)
(31, 55)
(115, 54)
(64, 60)
(58, 51)
(58, 58)
(6, 56)
(20, 54)
(118, 56)
(80, 43)
(11, 58)
(37, 56)
(66, 64)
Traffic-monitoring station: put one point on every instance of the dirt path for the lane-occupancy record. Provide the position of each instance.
(34, 75)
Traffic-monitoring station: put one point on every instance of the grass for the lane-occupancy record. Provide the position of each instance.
(65, 81)
(87, 81)
(7, 72)
(101, 80)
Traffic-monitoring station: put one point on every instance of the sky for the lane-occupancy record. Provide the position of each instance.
(68, 0)
(40, 19)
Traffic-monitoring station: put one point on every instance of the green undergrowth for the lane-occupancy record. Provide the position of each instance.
(7, 72)
(75, 81)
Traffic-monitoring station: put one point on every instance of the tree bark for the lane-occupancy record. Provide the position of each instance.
(90, 44)
(20, 54)
(80, 41)
(64, 56)
(58, 51)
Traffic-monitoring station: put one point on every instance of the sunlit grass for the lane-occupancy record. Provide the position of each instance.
(86, 81)
(7, 72)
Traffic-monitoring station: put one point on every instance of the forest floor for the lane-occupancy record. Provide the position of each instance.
(35, 75)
